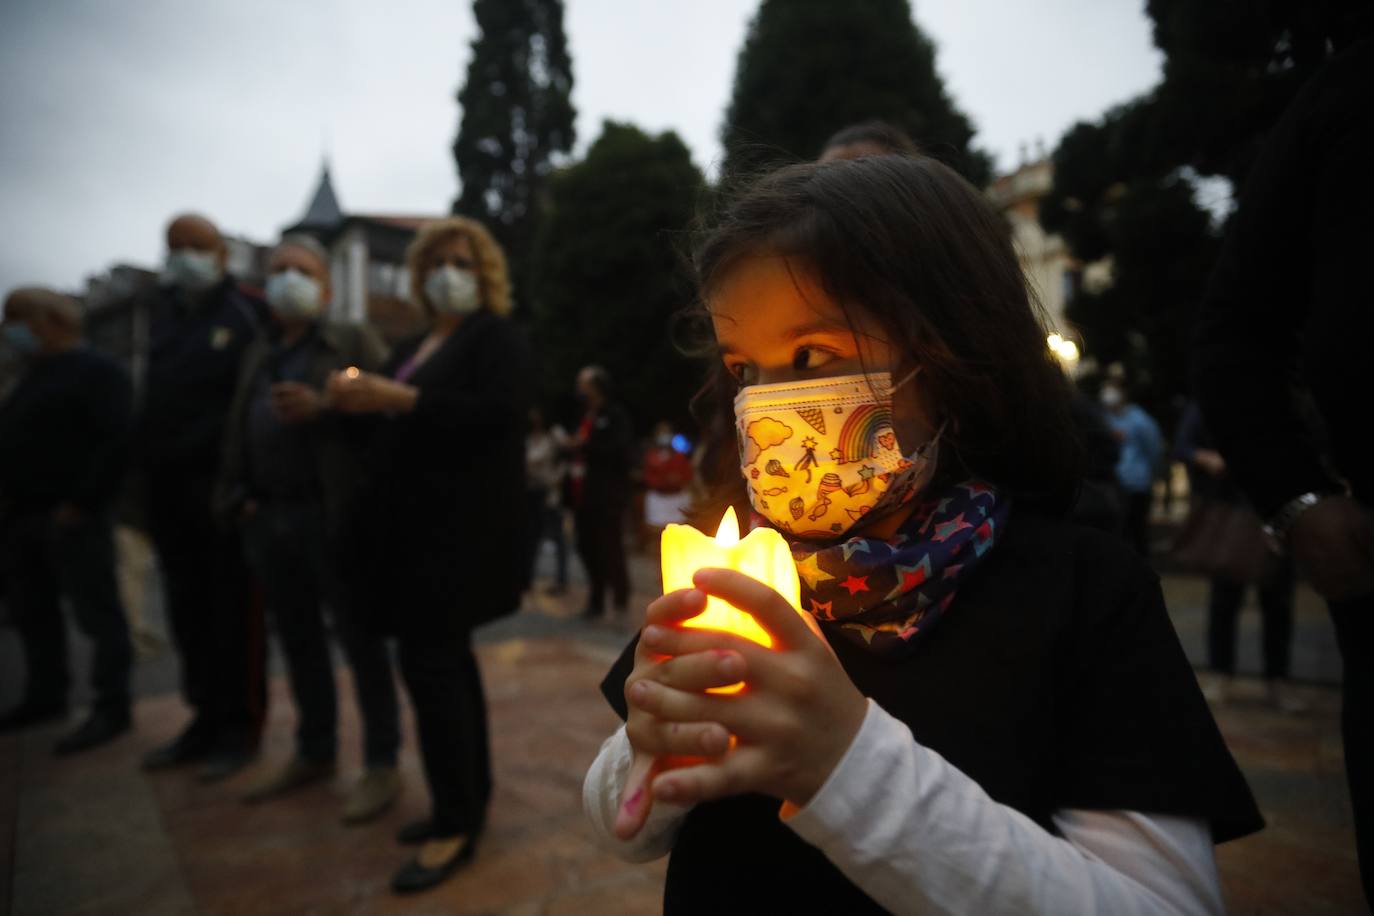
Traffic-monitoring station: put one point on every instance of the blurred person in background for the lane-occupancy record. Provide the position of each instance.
(868, 138)
(1209, 482)
(667, 474)
(546, 470)
(289, 465)
(1142, 449)
(64, 437)
(437, 534)
(1288, 313)
(601, 492)
(201, 322)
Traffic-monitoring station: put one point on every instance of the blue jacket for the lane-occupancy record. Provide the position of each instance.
(1141, 448)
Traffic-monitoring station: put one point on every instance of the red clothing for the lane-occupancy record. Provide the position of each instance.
(666, 470)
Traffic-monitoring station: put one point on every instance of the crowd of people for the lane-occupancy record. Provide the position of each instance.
(983, 697)
(288, 469)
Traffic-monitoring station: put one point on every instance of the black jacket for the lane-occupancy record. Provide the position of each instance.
(64, 434)
(434, 541)
(1055, 681)
(193, 365)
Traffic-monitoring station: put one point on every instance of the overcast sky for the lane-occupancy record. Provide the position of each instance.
(115, 115)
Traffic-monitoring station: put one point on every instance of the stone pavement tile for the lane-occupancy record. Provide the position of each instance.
(89, 834)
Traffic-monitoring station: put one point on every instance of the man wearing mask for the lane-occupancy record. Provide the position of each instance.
(601, 492)
(200, 323)
(64, 432)
(1142, 447)
(289, 467)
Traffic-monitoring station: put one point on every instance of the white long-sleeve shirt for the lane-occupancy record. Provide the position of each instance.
(919, 836)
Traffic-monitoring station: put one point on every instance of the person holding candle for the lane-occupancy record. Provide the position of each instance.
(976, 705)
(438, 530)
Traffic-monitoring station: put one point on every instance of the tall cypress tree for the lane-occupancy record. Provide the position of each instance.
(612, 278)
(517, 114)
(810, 67)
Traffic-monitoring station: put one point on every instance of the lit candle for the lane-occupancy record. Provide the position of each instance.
(352, 372)
(762, 555)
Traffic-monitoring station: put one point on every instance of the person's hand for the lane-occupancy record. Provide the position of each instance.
(792, 722)
(1210, 462)
(293, 402)
(1333, 543)
(353, 391)
(66, 515)
(658, 745)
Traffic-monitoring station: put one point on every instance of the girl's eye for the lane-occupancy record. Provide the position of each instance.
(810, 358)
(743, 373)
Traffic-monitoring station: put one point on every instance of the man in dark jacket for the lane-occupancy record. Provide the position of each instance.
(201, 321)
(1289, 309)
(601, 491)
(290, 466)
(63, 450)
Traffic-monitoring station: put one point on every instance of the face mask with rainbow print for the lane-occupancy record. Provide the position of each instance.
(820, 456)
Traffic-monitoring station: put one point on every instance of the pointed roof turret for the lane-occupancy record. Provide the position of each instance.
(323, 213)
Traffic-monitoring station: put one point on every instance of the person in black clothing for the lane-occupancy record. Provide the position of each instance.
(1288, 309)
(64, 436)
(1208, 481)
(200, 322)
(437, 533)
(601, 492)
(971, 704)
(289, 467)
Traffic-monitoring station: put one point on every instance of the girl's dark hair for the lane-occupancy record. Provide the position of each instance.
(918, 249)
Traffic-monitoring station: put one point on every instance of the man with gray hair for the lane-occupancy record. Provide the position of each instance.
(64, 435)
(289, 466)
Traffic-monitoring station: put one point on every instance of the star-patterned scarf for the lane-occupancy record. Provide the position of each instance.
(885, 594)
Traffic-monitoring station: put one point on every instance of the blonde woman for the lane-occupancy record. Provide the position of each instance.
(436, 538)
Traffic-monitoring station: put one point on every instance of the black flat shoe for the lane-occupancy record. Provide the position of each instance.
(195, 743)
(415, 877)
(222, 764)
(97, 730)
(416, 832)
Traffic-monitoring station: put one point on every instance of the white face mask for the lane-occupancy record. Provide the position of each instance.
(191, 269)
(818, 456)
(454, 291)
(292, 294)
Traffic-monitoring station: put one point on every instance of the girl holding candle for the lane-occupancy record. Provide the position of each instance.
(988, 709)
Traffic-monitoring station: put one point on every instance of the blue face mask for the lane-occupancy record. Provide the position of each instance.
(20, 337)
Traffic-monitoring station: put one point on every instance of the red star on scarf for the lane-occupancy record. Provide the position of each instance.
(855, 584)
(822, 610)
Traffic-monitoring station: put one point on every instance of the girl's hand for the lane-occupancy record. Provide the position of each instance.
(352, 391)
(660, 746)
(795, 718)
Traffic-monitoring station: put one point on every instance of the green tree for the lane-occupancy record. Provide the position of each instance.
(612, 277)
(517, 115)
(811, 67)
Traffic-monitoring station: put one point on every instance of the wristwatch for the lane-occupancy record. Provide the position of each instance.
(1277, 528)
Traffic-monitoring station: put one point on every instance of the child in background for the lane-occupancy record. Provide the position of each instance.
(987, 709)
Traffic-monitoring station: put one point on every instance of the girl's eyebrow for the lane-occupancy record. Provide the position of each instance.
(820, 326)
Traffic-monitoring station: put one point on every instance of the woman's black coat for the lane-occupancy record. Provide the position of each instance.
(435, 540)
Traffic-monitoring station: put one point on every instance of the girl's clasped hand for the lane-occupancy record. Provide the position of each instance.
(781, 735)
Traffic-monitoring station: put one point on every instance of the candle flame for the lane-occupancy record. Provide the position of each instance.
(727, 534)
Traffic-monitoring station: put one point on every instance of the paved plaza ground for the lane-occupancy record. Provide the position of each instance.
(94, 834)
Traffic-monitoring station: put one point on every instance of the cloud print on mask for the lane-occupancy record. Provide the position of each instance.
(762, 434)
